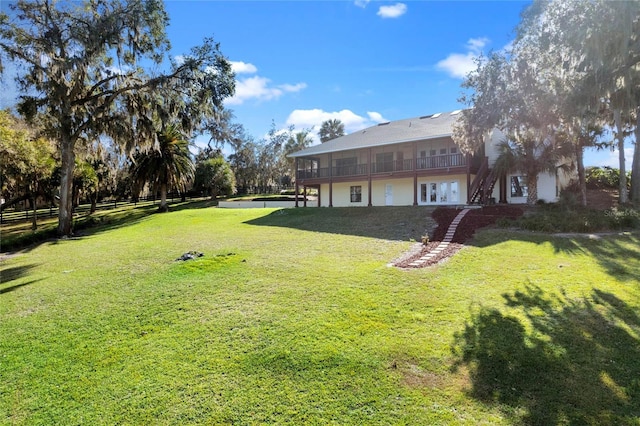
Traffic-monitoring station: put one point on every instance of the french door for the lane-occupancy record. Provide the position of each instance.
(440, 192)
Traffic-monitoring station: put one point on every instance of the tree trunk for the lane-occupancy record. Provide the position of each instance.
(94, 202)
(65, 212)
(635, 166)
(623, 197)
(34, 222)
(582, 181)
(163, 198)
(532, 189)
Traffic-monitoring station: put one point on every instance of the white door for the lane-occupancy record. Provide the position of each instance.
(388, 195)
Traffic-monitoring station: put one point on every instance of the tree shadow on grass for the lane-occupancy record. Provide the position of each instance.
(101, 221)
(8, 275)
(618, 254)
(389, 223)
(570, 362)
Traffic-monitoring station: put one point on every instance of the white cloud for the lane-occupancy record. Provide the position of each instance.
(292, 88)
(458, 65)
(476, 45)
(256, 87)
(607, 158)
(376, 117)
(362, 3)
(312, 119)
(394, 11)
(240, 67)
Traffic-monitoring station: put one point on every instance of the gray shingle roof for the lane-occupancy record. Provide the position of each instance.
(407, 130)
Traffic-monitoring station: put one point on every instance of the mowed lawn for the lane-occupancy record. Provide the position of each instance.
(294, 317)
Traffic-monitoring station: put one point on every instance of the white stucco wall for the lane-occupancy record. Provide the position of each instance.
(401, 191)
(342, 194)
(547, 190)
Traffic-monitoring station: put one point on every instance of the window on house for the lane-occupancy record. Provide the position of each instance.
(453, 150)
(356, 194)
(432, 152)
(519, 186)
(443, 151)
(423, 154)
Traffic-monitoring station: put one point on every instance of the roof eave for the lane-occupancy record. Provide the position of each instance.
(340, 149)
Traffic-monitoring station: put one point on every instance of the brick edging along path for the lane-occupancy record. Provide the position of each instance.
(451, 231)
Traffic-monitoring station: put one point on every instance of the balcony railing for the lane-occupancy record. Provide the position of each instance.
(421, 163)
(352, 170)
(392, 166)
(441, 161)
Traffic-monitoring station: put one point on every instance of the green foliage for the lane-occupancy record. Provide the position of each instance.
(571, 217)
(331, 129)
(527, 153)
(166, 164)
(215, 177)
(623, 218)
(85, 177)
(78, 94)
(28, 161)
(604, 177)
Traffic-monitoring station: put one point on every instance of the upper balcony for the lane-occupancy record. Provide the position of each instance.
(407, 165)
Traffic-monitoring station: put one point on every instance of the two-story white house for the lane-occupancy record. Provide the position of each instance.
(411, 162)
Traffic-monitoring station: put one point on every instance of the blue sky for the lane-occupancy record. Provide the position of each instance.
(303, 62)
(363, 62)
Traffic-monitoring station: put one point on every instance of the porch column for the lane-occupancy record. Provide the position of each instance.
(330, 180)
(468, 158)
(415, 173)
(296, 189)
(369, 177)
(304, 195)
(503, 189)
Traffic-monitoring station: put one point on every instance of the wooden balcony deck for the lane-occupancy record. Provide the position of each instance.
(435, 162)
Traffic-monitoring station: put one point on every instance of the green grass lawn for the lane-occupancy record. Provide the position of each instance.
(293, 317)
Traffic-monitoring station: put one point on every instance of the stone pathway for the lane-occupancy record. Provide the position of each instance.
(451, 231)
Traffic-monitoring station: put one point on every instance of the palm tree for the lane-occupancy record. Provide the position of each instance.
(331, 129)
(166, 163)
(531, 156)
